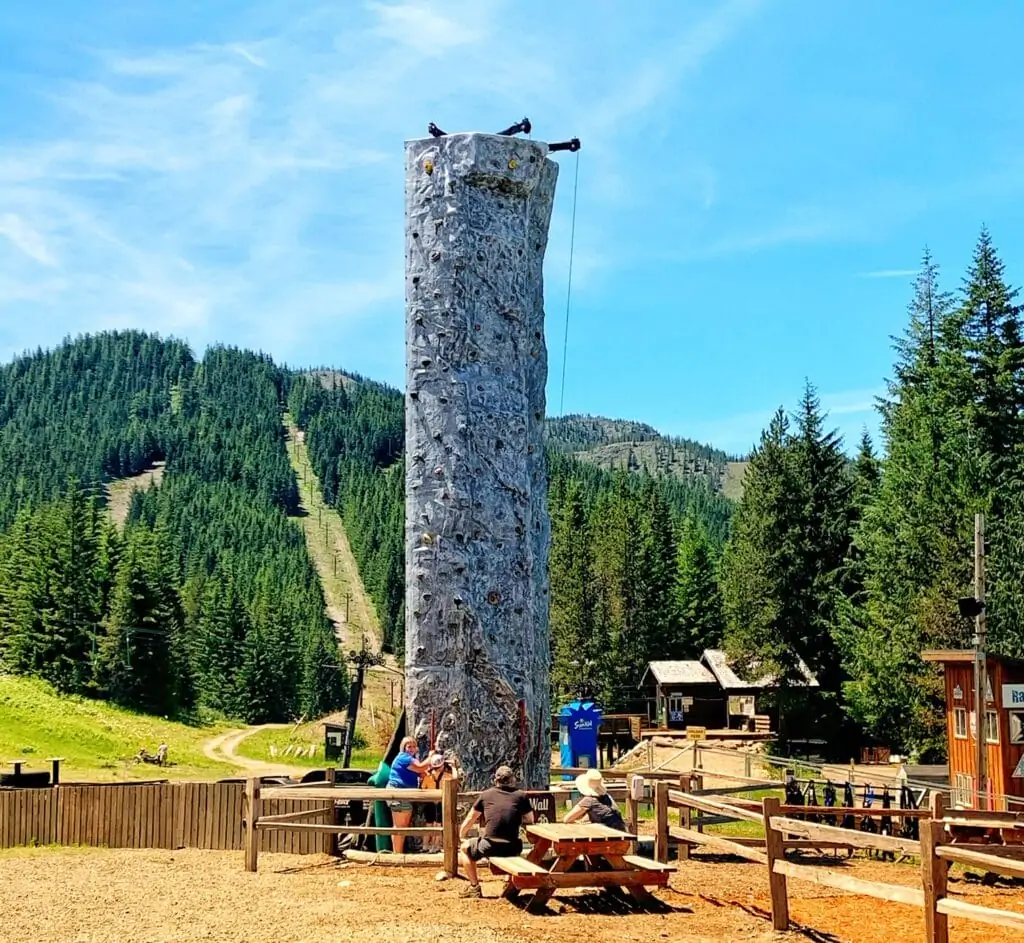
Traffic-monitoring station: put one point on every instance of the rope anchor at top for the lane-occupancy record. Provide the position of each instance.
(520, 127)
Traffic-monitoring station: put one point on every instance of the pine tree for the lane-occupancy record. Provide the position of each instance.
(912, 543)
(579, 649)
(762, 568)
(990, 323)
(824, 524)
(698, 600)
(656, 579)
(136, 652)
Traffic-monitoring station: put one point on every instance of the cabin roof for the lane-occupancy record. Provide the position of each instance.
(727, 677)
(679, 672)
(961, 656)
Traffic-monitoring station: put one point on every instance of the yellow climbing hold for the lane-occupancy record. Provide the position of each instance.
(428, 166)
(512, 164)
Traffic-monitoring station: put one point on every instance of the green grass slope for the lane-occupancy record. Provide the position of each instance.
(258, 747)
(96, 740)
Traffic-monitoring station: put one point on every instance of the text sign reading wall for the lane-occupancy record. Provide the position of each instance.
(1013, 695)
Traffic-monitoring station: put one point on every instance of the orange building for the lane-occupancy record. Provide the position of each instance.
(1003, 728)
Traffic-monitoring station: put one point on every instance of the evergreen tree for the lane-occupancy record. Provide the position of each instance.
(762, 575)
(912, 543)
(136, 651)
(579, 646)
(656, 579)
(823, 524)
(698, 600)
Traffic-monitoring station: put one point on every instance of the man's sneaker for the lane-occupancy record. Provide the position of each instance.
(472, 890)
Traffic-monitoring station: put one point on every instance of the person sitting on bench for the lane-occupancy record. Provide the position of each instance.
(596, 805)
(504, 810)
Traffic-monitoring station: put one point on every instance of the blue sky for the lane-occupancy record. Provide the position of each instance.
(757, 182)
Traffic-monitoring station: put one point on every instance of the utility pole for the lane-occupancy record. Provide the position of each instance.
(980, 662)
(362, 660)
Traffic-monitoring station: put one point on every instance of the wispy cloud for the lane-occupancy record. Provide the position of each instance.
(890, 273)
(23, 237)
(250, 188)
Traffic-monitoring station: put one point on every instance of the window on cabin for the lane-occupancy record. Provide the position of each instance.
(675, 708)
(963, 791)
(1016, 726)
(991, 727)
(960, 723)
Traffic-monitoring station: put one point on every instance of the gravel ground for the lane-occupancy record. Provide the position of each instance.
(128, 896)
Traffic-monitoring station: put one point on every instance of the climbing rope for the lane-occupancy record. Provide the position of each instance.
(568, 290)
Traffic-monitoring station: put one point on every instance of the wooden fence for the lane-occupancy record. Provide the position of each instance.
(305, 821)
(123, 815)
(935, 849)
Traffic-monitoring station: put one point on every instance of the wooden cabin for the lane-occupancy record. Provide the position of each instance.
(1003, 728)
(683, 694)
(710, 693)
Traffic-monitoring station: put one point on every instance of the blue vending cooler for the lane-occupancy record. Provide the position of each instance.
(578, 723)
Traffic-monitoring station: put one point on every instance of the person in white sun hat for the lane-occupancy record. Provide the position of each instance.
(595, 805)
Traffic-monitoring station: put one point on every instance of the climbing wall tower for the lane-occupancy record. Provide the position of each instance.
(477, 208)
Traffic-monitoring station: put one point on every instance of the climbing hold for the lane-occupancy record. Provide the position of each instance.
(428, 166)
(435, 256)
(512, 164)
(494, 597)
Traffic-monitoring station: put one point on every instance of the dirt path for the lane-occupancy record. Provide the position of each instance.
(119, 491)
(222, 748)
(349, 606)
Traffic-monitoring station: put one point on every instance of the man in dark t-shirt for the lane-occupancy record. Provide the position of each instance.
(504, 810)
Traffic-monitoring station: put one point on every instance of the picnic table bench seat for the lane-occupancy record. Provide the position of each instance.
(515, 866)
(646, 864)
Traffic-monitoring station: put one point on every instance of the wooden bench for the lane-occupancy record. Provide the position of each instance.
(646, 864)
(515, 866)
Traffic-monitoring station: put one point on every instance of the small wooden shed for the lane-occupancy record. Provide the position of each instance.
(683, 693)
(1003, 728)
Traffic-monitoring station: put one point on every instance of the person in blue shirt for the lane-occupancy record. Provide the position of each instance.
(405, 774)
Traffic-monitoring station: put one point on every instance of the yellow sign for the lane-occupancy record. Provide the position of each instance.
(696, 733)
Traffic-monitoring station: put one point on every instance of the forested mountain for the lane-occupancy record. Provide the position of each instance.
(355, 436)
(624, 445)
(207, 600)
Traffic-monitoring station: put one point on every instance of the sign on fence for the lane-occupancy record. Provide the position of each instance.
(696, 733)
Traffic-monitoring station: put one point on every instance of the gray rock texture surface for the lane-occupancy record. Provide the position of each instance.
(477, 209)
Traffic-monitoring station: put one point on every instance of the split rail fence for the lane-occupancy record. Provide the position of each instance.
(941, 844)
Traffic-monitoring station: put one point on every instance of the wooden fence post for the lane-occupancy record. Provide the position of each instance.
(686, 785)
(450, 826)
(632, 813)
(697, 782)
(331, 842)
(252, 815)
(661, 821)
(934, 873)
(776, 852)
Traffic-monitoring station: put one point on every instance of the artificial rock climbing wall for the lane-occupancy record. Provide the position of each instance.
(477, 208)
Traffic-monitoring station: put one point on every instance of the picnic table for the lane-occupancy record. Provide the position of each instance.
(585, 855)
